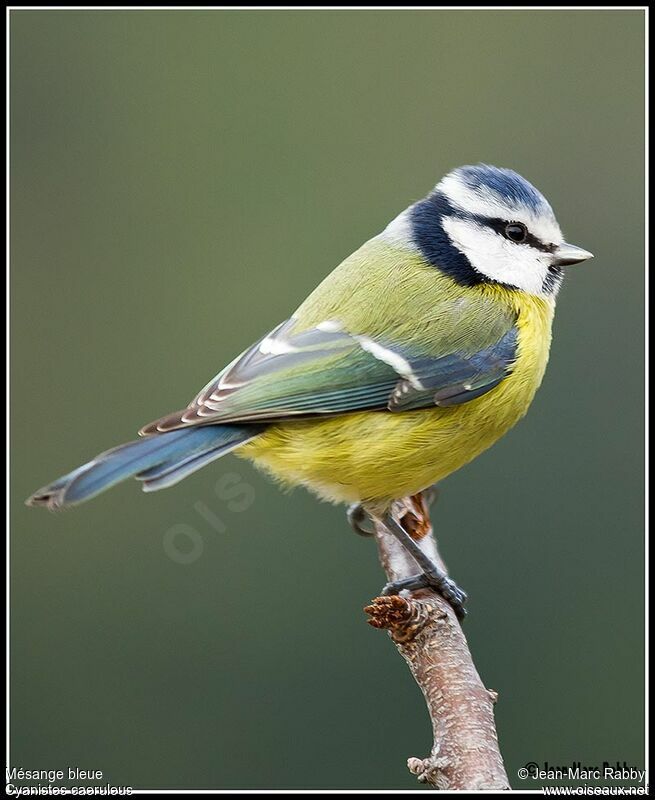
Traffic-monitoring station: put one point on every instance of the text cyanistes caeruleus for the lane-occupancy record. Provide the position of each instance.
(416, 354)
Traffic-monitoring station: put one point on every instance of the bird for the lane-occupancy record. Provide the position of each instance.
(415, 355)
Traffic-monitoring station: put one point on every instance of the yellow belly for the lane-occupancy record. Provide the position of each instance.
(379, 456)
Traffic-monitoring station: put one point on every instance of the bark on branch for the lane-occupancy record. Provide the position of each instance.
(426, 632)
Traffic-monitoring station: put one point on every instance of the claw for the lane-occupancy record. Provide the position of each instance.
(357, 516)
(444, 586)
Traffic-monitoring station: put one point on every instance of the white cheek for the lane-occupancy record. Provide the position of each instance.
(497, 258)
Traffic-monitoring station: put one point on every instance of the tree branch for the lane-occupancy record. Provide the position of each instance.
(425, 630)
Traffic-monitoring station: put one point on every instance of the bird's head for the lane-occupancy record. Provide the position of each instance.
(483, 224)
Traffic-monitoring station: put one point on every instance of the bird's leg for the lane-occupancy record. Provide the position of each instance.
(358, 516)
(432, 576)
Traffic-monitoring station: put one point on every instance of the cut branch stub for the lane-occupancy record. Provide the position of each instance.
(403, 618)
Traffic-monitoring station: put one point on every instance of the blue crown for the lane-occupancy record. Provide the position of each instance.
(507, 184)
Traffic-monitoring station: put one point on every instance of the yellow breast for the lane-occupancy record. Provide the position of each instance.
(381, 456)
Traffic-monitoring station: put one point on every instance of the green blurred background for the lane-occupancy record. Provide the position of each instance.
(180, 181)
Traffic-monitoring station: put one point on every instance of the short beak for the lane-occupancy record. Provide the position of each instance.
(567, 254)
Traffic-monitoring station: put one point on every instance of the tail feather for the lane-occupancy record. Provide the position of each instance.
(159, 461)
(163, 477)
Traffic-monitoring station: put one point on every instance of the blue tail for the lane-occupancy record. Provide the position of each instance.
(159, 461)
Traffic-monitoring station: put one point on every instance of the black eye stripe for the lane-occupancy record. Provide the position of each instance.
(438, 204)
(499, 226)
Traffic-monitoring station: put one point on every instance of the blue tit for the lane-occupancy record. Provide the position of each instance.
(411, 358)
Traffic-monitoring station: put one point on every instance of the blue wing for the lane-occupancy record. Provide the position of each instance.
(327, 370)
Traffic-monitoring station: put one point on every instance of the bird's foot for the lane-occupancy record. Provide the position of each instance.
(431, 494)
(357, 517)
(436, 580)
(361, 523)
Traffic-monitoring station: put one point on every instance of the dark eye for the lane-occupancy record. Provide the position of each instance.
(516, 231)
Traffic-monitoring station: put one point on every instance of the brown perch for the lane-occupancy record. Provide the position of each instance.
(465, 754)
